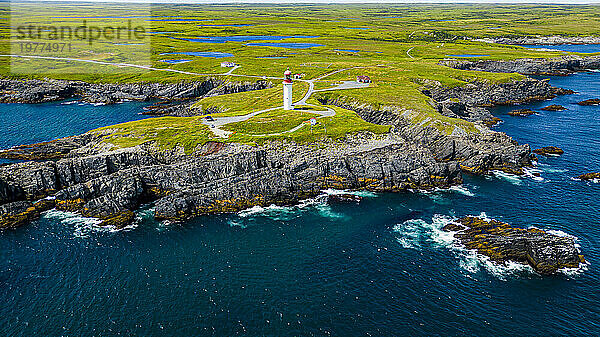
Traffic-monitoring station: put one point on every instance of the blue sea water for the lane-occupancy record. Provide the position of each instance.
(380, 268)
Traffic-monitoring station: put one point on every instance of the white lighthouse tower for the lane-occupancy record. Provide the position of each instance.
(287, 90)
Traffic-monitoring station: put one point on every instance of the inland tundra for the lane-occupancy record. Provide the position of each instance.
(96, 178)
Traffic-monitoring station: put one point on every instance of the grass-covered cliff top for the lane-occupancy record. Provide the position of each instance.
(398, 46)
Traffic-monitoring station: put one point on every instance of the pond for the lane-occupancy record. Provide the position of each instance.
(467, 55)
(175, 61)
(292, 45)
(201, 54)
(241, 38)
(230, 25)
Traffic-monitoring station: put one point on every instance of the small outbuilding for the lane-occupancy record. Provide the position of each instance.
(363, 79)
(227, 64)
(299, 76)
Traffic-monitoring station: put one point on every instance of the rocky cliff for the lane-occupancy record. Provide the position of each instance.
(39, 91)
(543, 66)
(86, 175)
(110, 184)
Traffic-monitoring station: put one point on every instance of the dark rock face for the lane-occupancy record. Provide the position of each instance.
(37, 91)
(554, 107)
(344, 198)
(477, 153)
(546, 253)
(522, 112)
(549, 151)
(590, 176)
(488, 95)
(552, 66)
(588, 102)
(111, 184)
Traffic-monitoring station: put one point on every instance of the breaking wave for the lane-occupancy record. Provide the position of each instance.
(82, 226)
(511, 178)
(418, 233)
(286, 213)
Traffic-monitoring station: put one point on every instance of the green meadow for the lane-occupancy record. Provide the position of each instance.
(398, 46)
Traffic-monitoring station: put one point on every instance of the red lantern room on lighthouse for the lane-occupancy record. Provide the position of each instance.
(287, 90)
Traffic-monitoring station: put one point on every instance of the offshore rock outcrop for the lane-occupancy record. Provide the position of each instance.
(546, 253)
(110, 185)
(549, 151)
(563, 65)
(554, 107)
(595, 176)
(590, 102)
(40, 91)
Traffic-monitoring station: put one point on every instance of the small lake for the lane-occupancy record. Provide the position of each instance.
(291, 45)
(213, 54)
(175, 61)
(241, 38)
(467, 55)
(232, 25)
(574, 48)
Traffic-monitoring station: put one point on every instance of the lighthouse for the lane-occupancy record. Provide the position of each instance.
(287, 90)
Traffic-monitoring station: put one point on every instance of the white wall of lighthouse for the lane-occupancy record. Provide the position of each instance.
(287, 96)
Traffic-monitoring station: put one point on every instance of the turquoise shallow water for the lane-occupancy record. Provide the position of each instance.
(381, 268)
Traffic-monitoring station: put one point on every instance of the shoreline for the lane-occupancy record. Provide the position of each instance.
(88, 178)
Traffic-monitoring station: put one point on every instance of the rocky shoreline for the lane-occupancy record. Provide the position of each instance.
(33, 91)
(558, 66)
(84, 174)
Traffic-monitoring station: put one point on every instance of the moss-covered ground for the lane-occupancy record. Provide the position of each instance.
(398, 46)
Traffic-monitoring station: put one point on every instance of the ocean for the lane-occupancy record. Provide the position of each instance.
(380, 268)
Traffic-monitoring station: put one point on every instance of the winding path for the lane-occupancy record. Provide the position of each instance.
(217, 122)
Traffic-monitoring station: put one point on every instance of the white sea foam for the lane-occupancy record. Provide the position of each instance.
(462, 190)
(415, 233)
(533, 174)
(285, 213)
(364, 194)
(513, 179)
(83, 226)
(549, 169)
(69, 102)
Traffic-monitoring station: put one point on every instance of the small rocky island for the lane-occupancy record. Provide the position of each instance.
(522, 112)
(546, 253)
(590, 176)
(554, 107)
(549, 151)
(589, 102)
